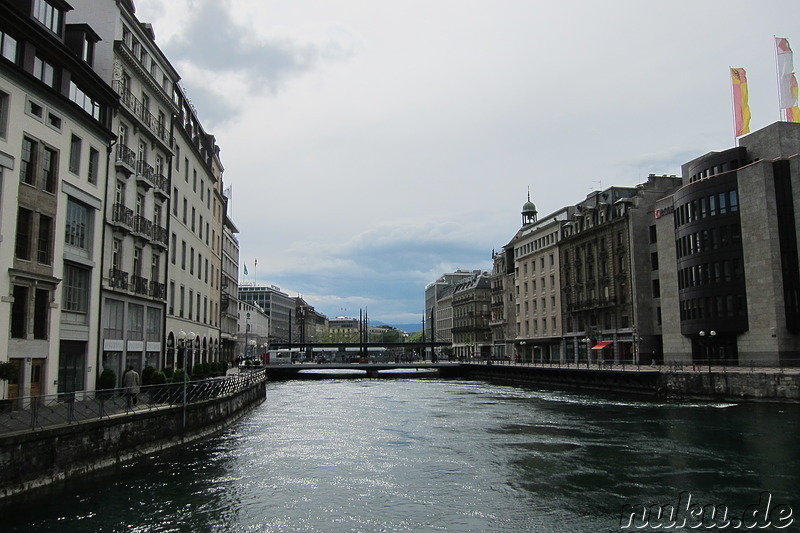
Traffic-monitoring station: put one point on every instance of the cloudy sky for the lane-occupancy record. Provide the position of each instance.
(374, 145)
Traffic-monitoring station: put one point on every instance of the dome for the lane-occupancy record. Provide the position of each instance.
(529, 207)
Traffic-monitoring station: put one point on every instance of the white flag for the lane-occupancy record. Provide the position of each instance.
(228, 193)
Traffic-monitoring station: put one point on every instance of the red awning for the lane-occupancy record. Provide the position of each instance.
(601, 345)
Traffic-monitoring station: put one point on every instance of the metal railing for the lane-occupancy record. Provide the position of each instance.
(34, 413)
(700, 365)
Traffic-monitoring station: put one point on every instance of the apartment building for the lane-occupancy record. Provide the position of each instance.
(55, 133)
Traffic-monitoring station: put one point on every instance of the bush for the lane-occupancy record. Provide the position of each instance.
(179, 376)
(199, 370)
(158, 378)
(147, 375)
(168, 371)
(107, 379)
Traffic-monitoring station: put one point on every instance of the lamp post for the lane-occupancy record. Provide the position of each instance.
(252, 347)
(183, 337)
(263, 350)
(246, 333)
(711, 334)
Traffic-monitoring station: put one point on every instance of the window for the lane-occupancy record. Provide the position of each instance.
(185, 209)
(183, 256)
(654, 260)
(175, 201)
(91, 106)
(75, 155)
(8, 47)
(94, 165)
(78, 225)
(3, 111)
(116, 254)
(27, 167)
(24, 228)
(49, 170)
(41, 313)
(135, 322)
(656, 288)
(174, 249)
(172, 297)
(45, 72)
(653, 235)
(183, 297)
(19, 312)
(48, 15)
(76, 289)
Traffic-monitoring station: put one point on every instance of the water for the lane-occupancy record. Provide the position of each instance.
(436, 456)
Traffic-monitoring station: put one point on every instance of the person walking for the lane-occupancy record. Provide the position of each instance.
(130, 384)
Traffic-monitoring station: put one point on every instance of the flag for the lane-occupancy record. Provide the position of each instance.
(787, 99)
(793, 114)
(245, 270)
(741, 109)
(255, 263)
(228, 192)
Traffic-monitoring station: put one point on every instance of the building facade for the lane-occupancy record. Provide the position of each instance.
(277, 305)
(55, 134)
(732, 234)
(472, 334)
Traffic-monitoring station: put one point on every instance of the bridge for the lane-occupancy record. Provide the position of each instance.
(365, 345)
(283, 372)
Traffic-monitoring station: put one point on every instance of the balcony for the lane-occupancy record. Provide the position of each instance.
(126, 159)
(122, 216)
(137, 109)
(161, 184)
(159, 235)
(139, 285)
(158, 290)
(143, 226)
(145, 174)
(118, 279)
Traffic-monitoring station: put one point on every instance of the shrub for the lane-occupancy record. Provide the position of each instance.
(168, 371)
(8, 371)
(147, 375)
(107, 379)
(179, 376)
(158, 378)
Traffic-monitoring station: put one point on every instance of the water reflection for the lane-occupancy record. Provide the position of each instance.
(434, 455)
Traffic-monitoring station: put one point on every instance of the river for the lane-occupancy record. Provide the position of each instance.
(440, 456)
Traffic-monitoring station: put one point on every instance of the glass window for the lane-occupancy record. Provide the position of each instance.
(75, 155)
(94, 165)
(76, 289)
(48, 15)
(8, 47)
(45, 241)
(24, 228)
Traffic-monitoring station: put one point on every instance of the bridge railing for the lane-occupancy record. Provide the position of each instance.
(34, 413)
(698, 365)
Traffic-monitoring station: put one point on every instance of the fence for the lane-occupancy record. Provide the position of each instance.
(714, 365)
(34, 413)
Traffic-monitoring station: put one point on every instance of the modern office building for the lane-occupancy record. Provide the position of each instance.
(277, 305)
(730, 236)
(55, 134)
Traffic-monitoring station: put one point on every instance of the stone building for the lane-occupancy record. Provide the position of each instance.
(55, 134)
(730, 237)
(472, 335)
(229, 294)
(277, 305)
(438, 322)
(608, 271)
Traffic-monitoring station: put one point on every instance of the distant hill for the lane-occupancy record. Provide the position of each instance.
(408, 328)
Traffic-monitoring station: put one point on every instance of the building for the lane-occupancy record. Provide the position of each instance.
(729, 236)
(433, 293)
(229, 297)
(607, 274)
(472, 335)
(163, 247)
(344, 329)
(55, 134)
(537, 310)
(252, 332)
(277, 305)
(136, 238)
(310, 326)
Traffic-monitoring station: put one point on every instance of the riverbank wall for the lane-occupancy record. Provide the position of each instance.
(737, 385)
(35, 459)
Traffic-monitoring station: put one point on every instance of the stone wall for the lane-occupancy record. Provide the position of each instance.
(38, 458)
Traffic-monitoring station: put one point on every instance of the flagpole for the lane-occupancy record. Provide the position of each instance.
(733, 107)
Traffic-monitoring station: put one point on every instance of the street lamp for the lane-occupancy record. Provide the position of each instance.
(183, 337)
(246, 333)
(252, 346)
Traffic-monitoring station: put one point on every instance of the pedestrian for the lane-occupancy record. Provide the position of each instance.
(130, 384)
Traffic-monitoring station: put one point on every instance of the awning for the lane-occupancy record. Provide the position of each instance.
(601, 345)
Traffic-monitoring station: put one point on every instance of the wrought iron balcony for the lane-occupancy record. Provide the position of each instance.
(159, 235)
(145, 174)
(122, 216)
(158, 290)
(143, 226)
(137, 108)
(118, 279)
(126, 158)
(139, 285)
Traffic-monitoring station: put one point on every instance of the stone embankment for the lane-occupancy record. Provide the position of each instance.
(69, 446)
(717, 384)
